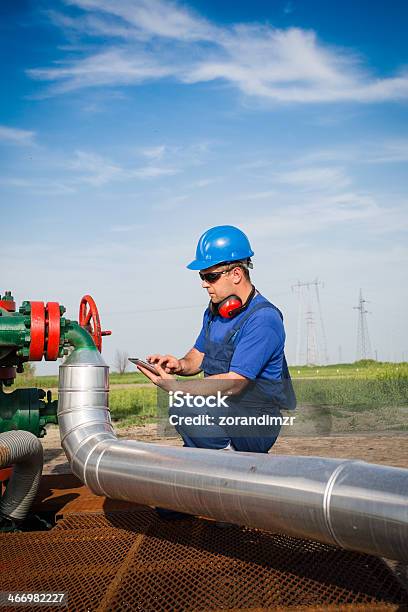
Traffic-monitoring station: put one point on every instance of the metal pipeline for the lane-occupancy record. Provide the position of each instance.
(24, 451)
(352, 504)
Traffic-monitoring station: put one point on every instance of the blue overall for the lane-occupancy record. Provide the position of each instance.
(258, 398)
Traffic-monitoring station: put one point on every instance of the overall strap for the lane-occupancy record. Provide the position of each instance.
(210, 319)
(235, 329)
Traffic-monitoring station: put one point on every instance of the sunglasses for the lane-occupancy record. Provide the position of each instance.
(212, 277)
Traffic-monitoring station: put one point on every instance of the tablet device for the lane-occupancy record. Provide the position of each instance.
(144, 364)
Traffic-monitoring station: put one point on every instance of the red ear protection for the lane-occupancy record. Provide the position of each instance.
(231, 306)
(227, 307)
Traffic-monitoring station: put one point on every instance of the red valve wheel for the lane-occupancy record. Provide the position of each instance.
(37, 331)
(53, 318)
(89, 319)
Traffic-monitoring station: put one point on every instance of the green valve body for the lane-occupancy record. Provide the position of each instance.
(14, 330)
(14, 340)
(25, 409)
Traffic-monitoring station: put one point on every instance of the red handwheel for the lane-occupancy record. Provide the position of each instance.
(89, 319)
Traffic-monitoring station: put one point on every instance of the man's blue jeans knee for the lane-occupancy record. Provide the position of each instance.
(199, 436)
(213, 436)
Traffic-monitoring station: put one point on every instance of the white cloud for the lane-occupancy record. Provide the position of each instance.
(311, 203)
(154, 39)
(387, 152)
(316, 178)
(154, 171)
(172, 203)
(112, 67)
(16, 182)
(59, 174)
(153, 18)
(38, 187)
(203, 183)
(316, 215)
(371, 152)
(95, 169)
(154, 152)
(288, 8)
(126, 228)
(257, 195)
(98, 170)
(16, 136)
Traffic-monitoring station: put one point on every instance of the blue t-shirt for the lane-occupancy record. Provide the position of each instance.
(259, 343)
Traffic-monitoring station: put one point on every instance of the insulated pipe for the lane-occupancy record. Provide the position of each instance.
(352, 504)
(24, 451)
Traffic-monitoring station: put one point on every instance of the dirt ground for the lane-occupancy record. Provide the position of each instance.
(387, 449)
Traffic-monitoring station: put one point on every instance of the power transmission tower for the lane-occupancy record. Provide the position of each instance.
(306, 301)
(311, 341)
(316, 283)
(363, 338)
(299, 321)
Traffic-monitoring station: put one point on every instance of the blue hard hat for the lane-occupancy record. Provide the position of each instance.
(219, 244)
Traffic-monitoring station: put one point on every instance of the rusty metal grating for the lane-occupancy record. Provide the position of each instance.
(132, 560)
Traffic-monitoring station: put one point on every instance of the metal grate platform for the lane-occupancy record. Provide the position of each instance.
(129, 559)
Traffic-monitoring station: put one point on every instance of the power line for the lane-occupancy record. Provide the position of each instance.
(168, 308)
(144, 310)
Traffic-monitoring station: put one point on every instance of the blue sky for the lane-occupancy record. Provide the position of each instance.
(128, 128)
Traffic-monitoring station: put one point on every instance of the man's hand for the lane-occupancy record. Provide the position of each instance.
(232, 383)
(164, 380)
(169, 363)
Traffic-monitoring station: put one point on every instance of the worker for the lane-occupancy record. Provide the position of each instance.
(240, 349)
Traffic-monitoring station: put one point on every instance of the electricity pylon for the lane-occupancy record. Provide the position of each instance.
(316, 284)
(306, 301)
(312, 355)
(363, 338)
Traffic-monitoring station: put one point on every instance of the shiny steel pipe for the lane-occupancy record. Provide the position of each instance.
(352, 504)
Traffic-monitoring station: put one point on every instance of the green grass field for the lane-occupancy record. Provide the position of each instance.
(51, 382)
(135, 406)
(359, 370)
(363, 396)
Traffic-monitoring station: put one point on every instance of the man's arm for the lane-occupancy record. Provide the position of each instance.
(230, 383)
(191, 362)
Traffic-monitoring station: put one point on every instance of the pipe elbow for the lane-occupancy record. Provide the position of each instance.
(83, 408)
(79, 337)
